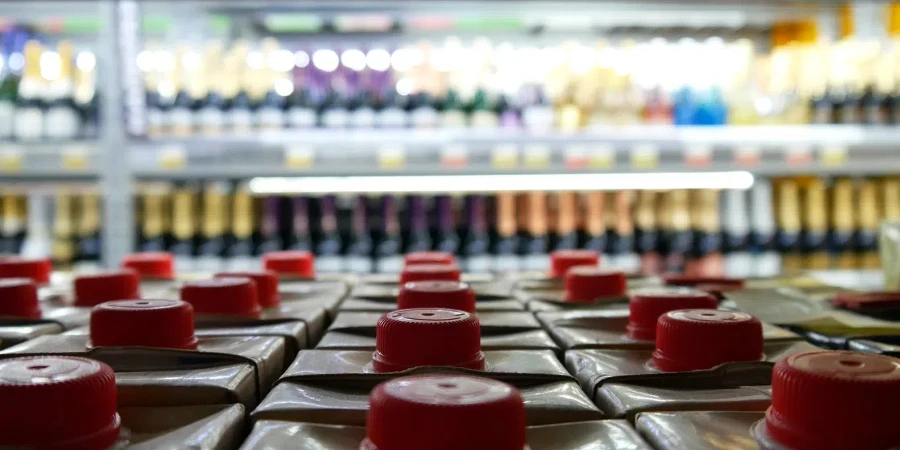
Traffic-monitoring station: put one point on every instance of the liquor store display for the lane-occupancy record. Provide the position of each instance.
(583, 357)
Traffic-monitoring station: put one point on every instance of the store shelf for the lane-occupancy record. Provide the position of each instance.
(49, 161)
(760, 150)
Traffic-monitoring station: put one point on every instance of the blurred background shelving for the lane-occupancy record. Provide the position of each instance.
(171, 113)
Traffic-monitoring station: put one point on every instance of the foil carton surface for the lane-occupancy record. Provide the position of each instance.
(332, 387)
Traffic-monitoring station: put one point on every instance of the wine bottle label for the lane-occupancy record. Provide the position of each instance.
(478, 264)
(739, 264)
(7, 113)
(539, 263)
(335, 118)
(484, 119)
(61, 122)
(767, 264)
(874, 114)
(301, 117)
(389, 264)
(329, 264)
(209, 263)
(156, 122)
(181, 121)
(28, 123)
(391, 118)
(359, 264)
(424, 117)
(211, 120)
(362, 117)
(270, 118)
(240, 120)
(538, 118)
(506, 263)
(453, 118)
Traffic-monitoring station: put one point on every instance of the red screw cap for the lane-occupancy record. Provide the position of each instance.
(588, 283)
(445, 412)
(409, 338)
(94, 289)
(677, 279)
(835, 400)
(143, 323)
(430, 272)
(57, 402)
(231, 296)
(647, 305)
(19, 298)
(416, 258)
(153, 265)
(696, 339)
(37, 269)
(291, 263)
(563, 260)
(437, 294)
(266, 285)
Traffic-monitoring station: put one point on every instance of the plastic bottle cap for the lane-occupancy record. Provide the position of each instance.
(229, 296)
(835, 400)
(415, 258)
(409, 338)
(867, 300)
(647, 305)
(589, 283)
(562, 260)
(696, 339)
(152, 265)
(19, 298)
(445, 412)
(37, 269)
(57, 402)
(266, 285)
(677, 279)
(430, 272)
(291, 263)
(93, 289)
(143, 323)
(437, 294)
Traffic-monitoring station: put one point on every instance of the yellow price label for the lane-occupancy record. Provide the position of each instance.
(75, 159)
(505, 156)
(172, 157)
(390, 158)
(11, 160)
(833, 156)
(602, 157)
(299, 157)
(645, 156)
(537, 156)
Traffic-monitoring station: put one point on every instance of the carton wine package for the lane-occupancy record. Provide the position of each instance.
(159, 360)
(499, 331)
(634, 327)
(470, 412)
(332, 386)
(820, 400)
(704, 359)
(431, 293)
(71, 403)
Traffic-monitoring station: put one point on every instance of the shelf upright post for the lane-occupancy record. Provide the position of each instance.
(117, 49)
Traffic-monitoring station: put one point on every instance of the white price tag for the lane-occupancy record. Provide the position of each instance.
(698, 155)
(576, 156)
(747, 156)
(798, 155)
(454, 155)
(602, 156)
